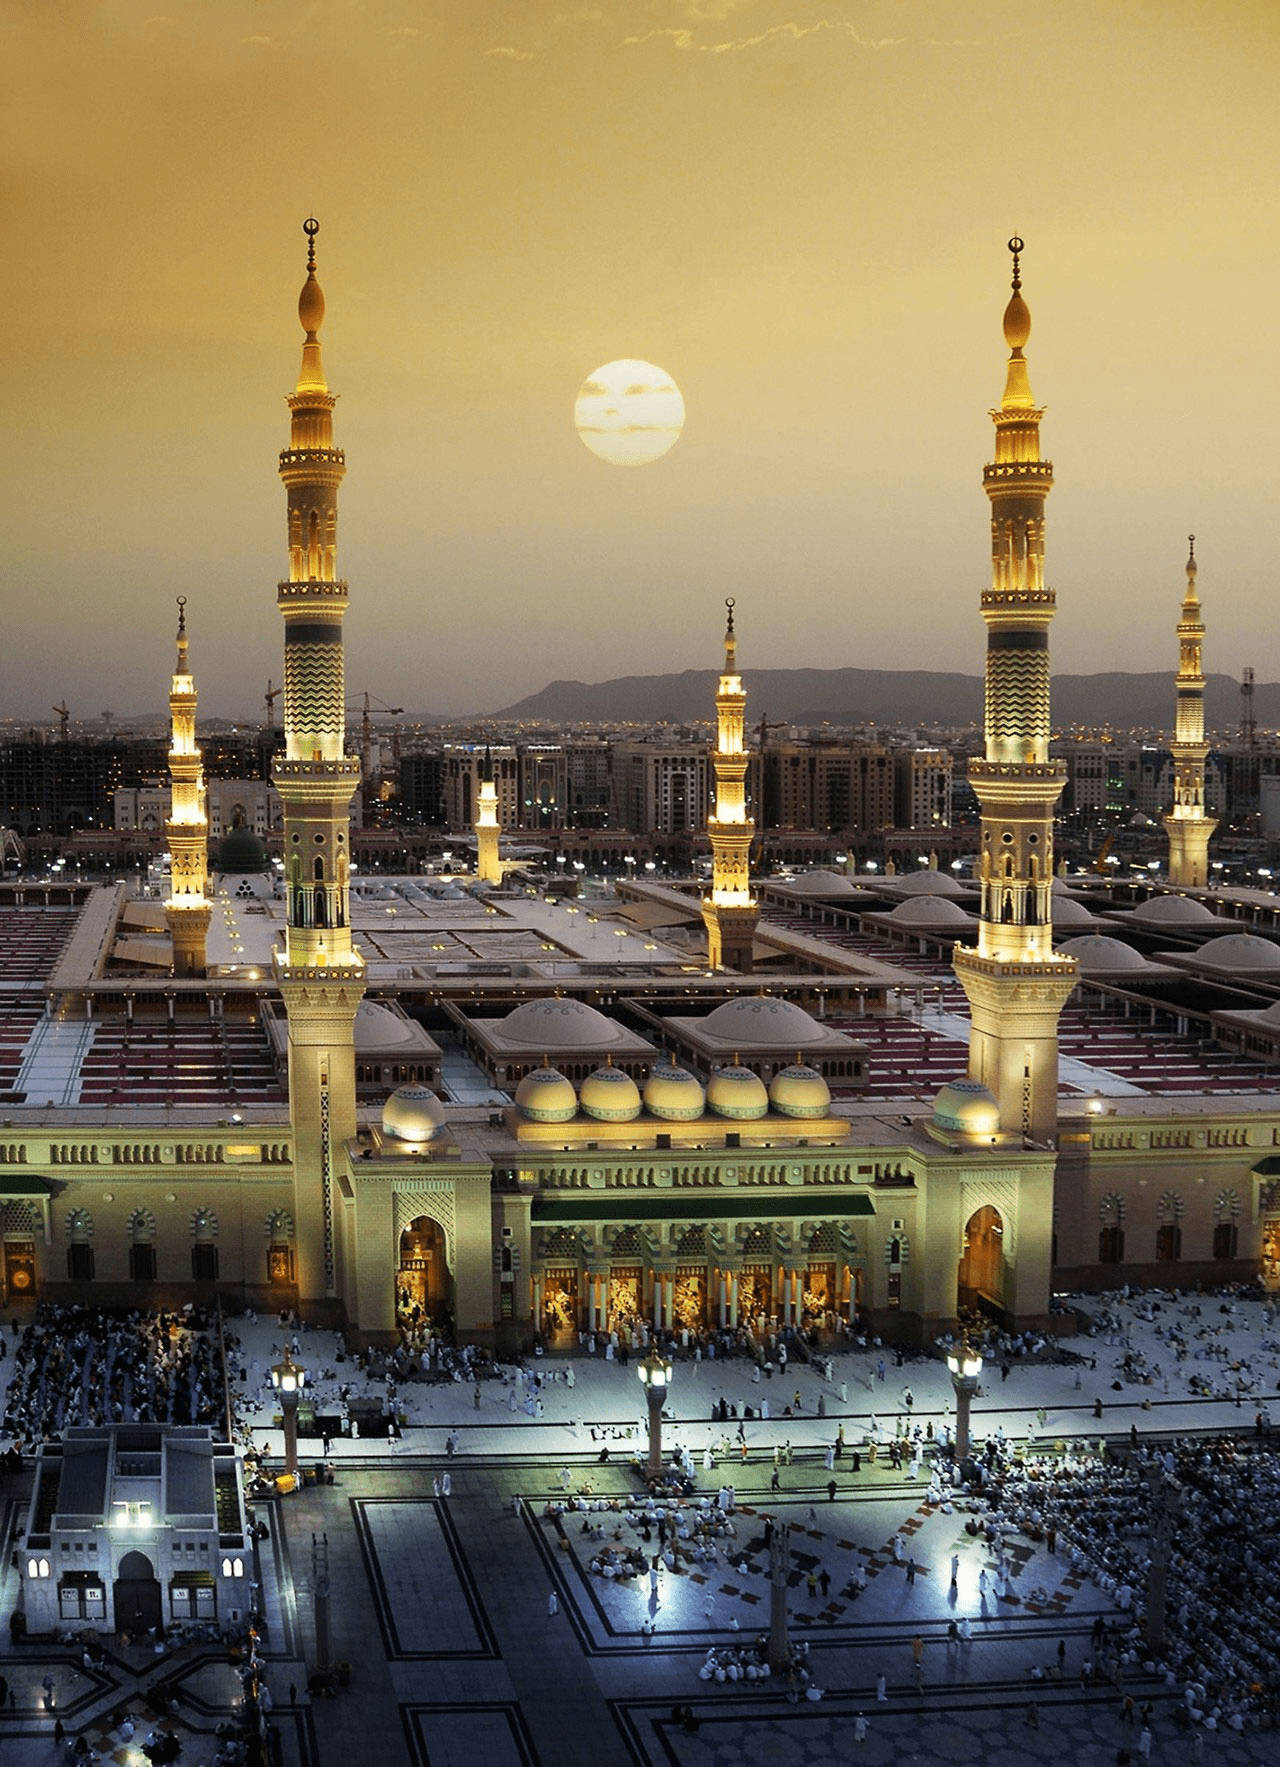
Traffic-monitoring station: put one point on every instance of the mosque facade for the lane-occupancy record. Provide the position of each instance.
(617, 1182)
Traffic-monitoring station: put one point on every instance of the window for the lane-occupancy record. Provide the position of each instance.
(1168, 1243)
(204, 1263)
(1226, 1237)
(1111, 1245)
(80, 1263)
(142, 1263)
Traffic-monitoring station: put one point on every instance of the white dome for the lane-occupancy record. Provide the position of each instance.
(1173, 911)
(763, 1021)
(546, 1096)
(1240, 952)
(377, 1027)
(737, 1093)
(966, 1107)
(1070, 911)
(673, 1093)
(800, 1091)
(555, 1023)
(610, 1095)
(412, 1114)
(822, 883)
(925, 882)
(1097, 952)
(930, 911)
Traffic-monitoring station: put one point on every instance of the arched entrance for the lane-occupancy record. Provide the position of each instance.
(423, 1280)
(981, 1274)
(136, 1594)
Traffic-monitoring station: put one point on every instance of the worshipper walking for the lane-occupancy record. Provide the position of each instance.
(553, 1605)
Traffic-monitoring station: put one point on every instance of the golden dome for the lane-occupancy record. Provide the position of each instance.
(737, 1093)
(412, 1114)
(546, 1096)
(610, 1095)
(674, 1093)
(800, 1091)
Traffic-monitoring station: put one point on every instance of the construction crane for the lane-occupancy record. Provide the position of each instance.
(1248, 721)
(269, 699)
(63, 716)
(763, 727)
(367, 709)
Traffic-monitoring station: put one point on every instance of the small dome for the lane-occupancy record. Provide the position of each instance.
(763, 1020)
(1173, 911)
(1097, 953)
(673, 1093)
(930, 911)
(1240, 952)
(241, 853)
(556, 1023)
(1017, 323)
(546, 1096)
(413, 1114)
(737, 1093)
(800, 1091)
(966, 1107)
(610, 1095)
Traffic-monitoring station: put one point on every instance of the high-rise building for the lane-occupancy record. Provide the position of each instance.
(730, 911)
(1188, 827)
(922, 788)
(320, 977)
(188, 909)
(1016, 983)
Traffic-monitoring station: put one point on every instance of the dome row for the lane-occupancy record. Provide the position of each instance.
(672, 1093)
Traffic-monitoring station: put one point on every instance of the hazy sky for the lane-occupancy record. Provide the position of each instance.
(798, 210)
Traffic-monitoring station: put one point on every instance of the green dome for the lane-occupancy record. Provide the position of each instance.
(240, 851)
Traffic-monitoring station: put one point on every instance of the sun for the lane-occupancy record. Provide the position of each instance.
(629, 413)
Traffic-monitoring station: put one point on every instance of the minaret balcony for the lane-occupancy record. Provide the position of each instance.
(996, 599)
(312, 457)
(312, 589)
(1018, 472)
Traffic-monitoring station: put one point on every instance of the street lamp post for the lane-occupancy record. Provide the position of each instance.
(779, 1648)
(655, 1378)
(965, 1367)
(289, 1378)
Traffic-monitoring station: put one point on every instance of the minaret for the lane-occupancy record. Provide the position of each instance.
(488, 865)
(730, 911)
(1188, 827)
(186, 828)
(320, 976)
(1017, 985)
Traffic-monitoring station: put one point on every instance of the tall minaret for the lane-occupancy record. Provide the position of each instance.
(1188, 827)
(488, 865)
(320, 976)
(186, 828)
(1017, 985)
(730, 911)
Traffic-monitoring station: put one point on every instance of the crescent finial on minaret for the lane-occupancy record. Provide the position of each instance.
(182, 615)
(1191, 555)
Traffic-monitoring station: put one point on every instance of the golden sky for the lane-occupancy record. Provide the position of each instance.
(798, 210)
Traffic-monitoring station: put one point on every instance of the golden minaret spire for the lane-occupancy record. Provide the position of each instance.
(1016, 983)
(488, 864)
(188, 909)
(321, 977)
(1188, 828)
(730, 911)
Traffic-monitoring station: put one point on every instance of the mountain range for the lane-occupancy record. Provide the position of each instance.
(898, 697)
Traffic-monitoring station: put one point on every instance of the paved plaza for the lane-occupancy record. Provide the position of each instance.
(442, 1607)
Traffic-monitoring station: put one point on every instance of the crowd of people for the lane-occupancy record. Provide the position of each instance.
(91, 1365)
(1214, 1509)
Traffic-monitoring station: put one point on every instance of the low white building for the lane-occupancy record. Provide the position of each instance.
(133, 1525)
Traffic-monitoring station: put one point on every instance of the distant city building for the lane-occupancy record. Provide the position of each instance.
(661, 788)
(922, 788)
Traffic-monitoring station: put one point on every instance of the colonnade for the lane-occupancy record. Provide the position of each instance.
(729, 1295)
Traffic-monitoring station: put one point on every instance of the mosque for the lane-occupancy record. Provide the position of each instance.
(520, 1112)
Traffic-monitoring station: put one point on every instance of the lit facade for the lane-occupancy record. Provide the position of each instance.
(730, 911)
(1188, 828)
(188, 909)
(320, 977)
(488, 864)
(1015, 982)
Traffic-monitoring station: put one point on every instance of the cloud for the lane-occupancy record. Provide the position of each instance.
(684, 37)
(509, 54)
